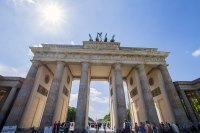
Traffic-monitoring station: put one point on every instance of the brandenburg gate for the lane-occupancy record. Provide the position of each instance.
(45, 93)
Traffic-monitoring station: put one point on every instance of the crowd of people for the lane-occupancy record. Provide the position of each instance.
(161, 128)
(65, 126)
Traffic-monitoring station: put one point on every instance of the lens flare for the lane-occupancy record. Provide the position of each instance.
(52, 13)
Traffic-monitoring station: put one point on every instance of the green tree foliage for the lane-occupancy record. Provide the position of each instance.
(90, 119)
(128, 114)
(71, 115)
(196, 105)
(105, 118)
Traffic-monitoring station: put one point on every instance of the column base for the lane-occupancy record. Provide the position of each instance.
(79, 130)
(40, 131)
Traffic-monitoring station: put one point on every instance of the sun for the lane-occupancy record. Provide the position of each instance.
(52, 13)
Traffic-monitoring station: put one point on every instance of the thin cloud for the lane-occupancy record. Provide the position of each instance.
(196, 53)
(91, 108)
(94, 92)
(14, 69)
(100, 100)
(73, 97)
(186, 51)
(6, 70)
(72, 43)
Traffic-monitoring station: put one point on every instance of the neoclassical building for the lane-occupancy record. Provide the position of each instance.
(44, 94)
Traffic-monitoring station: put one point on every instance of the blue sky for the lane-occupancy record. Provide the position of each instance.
(169, 25)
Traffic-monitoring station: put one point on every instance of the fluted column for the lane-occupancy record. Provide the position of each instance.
(7, 104)
(120, 97)
(23, 95)
(189, 108)
(173, 97)
(81, 111)
(197, 94)
(147, 95)
(51, 102)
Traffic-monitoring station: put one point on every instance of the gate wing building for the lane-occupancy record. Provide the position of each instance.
(44, 96)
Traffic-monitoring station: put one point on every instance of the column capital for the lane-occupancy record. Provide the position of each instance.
(85, 63)
(36, 62)
(163, 66)
(116, 65)
(139, 65)
(60, 62)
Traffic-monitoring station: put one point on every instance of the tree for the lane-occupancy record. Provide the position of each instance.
(71, 115)
(196, 105)
(90, 119)
(128, 114)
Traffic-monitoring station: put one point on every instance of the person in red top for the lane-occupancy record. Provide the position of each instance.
(54, 127)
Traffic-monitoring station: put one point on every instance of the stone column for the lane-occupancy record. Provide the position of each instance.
(120, 97)
(173, 97)
(189, 108)
(47, 118)
(81, 111)
(197, 94)
(147, 95)
(7, 104)
(23, 95)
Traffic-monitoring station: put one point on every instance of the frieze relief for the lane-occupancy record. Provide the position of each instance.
(101, 46)
(100, 57)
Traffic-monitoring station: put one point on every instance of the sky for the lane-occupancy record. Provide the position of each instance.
(169, 25)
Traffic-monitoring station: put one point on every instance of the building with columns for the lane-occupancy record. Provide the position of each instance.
(44, 96)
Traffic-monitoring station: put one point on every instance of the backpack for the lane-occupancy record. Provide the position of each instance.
(150, 129)
(162, 127)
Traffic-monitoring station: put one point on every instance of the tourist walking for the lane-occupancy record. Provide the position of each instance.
(193, 128)
(148, 127)
(58, 126)
(67, 127)
(126, 126)
(142, 127)
(175, 128)
(170, 130)
(130, 125)
(136, 128)
(54, 127)
(162, 127)
(184, 127)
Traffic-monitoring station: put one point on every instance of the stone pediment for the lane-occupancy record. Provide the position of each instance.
(101, 45)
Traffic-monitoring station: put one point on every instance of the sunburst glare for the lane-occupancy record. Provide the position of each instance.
(52, 13)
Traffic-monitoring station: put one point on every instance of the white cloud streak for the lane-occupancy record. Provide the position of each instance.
(72, 43)
(125, 89)
(94, 93)
(91, 108)
(6, 70)
(73, 97)
(100, 100)
(196, 53)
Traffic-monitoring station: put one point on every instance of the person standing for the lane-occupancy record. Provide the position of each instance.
(54, 127)
(67, 127)
(130, 125)
(148, 127)
(170, 129)
(136, 128)
(184, 127)
(175, 128)
(58, 126)
(126, 126)
(142, 127)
